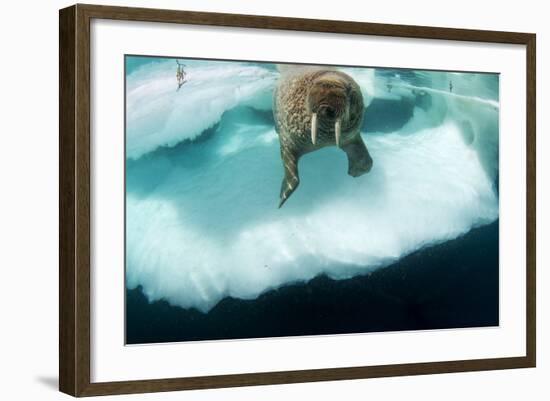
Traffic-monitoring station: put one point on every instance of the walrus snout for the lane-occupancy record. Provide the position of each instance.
(331, 108)
(328, 112)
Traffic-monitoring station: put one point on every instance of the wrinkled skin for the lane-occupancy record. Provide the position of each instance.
(314, 108)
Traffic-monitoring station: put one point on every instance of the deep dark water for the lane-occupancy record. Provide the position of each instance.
(451, 285)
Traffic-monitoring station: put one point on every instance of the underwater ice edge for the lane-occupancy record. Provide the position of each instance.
(204, 171)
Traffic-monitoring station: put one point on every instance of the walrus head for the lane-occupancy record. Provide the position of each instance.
(332, 100)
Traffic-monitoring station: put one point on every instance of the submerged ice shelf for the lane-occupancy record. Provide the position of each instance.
(202, 217)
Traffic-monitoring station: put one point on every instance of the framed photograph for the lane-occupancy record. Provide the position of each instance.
(251, 200)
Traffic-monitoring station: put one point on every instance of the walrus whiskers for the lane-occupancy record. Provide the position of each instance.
(313, 128)
(337, 131)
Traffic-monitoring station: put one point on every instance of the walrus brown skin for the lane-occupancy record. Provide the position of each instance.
(314, 108)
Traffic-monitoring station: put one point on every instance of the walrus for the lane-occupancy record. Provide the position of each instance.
(314, 108)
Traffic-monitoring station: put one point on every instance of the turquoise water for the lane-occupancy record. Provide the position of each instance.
(203, 174)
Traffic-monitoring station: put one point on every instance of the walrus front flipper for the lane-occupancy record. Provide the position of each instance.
(291, 179)
(359, 160)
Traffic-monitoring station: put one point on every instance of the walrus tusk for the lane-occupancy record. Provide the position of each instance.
(314, 128)
(338, 131)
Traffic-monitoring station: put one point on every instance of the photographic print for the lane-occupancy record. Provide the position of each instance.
(275, 199)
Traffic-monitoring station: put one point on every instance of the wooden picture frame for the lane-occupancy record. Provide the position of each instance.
(75, 207)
